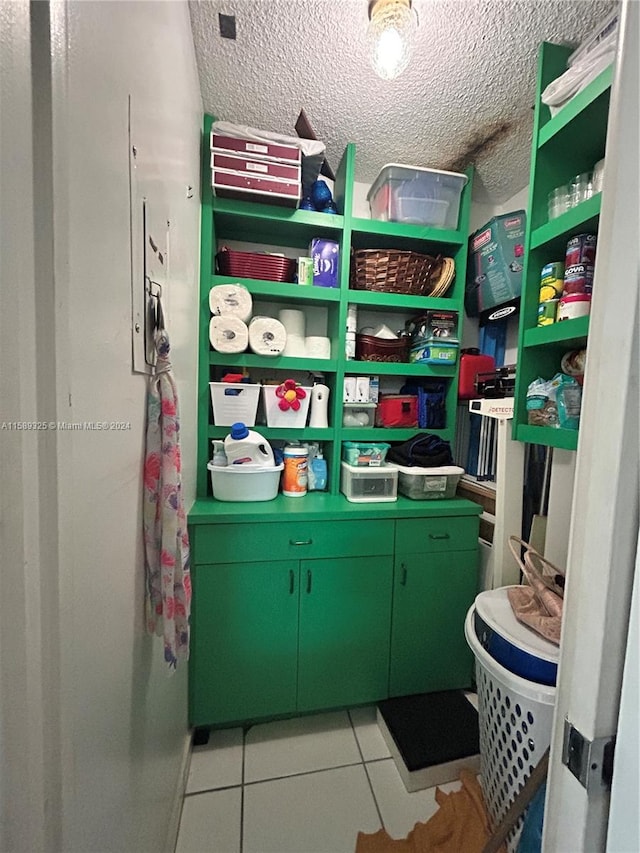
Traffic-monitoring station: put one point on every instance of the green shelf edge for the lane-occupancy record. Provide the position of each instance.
(407, 231)
(400, 301)
(324, 506)
(283, 215)
(397, 368)
(282, 362)
(578, 104)
(566, 331)
(388, 434)
(565, 439)
(281, 433)
(574, 218)
(281, 289)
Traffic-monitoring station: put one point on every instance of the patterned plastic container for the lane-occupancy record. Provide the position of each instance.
(515, 718)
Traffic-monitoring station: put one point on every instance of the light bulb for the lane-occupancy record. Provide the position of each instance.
(390, 31)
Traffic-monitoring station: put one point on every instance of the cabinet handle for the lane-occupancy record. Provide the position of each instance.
(300, 541)
(439, 536)
(403, 579)
(308, 580)
(292, 582)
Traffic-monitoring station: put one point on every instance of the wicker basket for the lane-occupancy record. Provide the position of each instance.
(369, 348)
(394, 271)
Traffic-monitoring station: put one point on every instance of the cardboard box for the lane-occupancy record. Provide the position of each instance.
(496, 259)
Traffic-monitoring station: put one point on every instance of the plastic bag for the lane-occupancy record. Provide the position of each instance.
(538, 606)
(582, 72)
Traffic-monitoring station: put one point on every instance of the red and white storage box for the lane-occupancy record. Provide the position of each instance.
(428, 484)
(248, 169)
(417, 195)
(260, 150)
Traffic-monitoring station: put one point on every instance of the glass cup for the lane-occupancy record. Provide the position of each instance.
(558, 201)
(580, 188)
(598, 172)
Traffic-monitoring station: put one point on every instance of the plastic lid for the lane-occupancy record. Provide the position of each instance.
(383, 174)
(495, 610)
(239, 430)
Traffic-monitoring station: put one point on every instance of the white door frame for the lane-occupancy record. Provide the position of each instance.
(604, 525)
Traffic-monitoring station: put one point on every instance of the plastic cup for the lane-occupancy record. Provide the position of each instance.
(558, 201)
(580, 188)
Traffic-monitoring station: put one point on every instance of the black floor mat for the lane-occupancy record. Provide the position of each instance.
(432, 728)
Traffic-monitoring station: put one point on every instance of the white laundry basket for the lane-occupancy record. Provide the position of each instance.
(515, 717)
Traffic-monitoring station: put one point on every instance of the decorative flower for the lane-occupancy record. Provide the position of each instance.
(290, 394)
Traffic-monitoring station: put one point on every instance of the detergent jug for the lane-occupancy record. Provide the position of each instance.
(244, 446)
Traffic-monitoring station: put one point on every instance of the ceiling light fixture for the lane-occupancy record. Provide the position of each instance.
(392, 24)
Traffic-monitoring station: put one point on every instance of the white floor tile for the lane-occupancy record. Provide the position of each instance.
(368, 734)
(315, 813)
(217, 764)
(211, 823)
(401, 811)
(299, 745)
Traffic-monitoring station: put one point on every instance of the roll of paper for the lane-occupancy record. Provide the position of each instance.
(295, 346)
(228, 334)
(230, 300)
(317, 347)
(293, 321)
(267, 336)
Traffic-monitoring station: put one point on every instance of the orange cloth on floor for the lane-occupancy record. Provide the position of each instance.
(461, 825)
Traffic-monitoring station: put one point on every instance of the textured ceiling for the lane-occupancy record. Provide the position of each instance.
(466, 96)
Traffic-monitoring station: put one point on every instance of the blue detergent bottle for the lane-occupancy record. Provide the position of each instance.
(244, 446)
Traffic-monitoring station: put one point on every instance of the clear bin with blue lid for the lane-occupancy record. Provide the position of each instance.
(417, 195)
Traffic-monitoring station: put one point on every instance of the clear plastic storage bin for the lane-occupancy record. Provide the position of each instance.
(364, 485)
(428, 484)
(416, 195)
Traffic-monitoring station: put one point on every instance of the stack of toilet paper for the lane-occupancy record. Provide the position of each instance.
(231, 307)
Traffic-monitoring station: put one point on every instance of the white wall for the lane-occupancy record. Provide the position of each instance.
(114, 734)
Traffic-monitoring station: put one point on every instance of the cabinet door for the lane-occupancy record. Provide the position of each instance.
(432, 593)
(244, 644)
(345, 620)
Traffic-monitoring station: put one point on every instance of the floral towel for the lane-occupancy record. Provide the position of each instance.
(166, 539)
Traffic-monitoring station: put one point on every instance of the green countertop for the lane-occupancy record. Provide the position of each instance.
(322, 506)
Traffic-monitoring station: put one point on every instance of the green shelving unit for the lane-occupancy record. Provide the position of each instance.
(272, 226)
(567, 144)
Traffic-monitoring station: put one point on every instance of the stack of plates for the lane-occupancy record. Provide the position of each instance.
(443, 282)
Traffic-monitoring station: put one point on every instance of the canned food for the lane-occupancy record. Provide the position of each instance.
(547, 312)
(551, 281)
(574, 305)
(581, 249)
(578, 278)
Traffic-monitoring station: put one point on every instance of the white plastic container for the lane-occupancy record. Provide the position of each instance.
(358, 414)
(290, 418)
(245, 446)
(234, 401)
(428, 484)
(244, 482)
(417, 195)
(369, 485)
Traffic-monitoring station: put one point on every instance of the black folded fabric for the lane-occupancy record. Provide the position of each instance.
(424, 450)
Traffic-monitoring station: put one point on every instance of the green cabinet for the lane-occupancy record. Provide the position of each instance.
(431, 595)
(566, 144)
(345, 618)
(244, 643)
(339, 612)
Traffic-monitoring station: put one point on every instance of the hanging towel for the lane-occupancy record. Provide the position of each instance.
(166, 539)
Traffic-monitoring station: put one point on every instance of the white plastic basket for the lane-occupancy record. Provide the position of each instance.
(515, 717)
(234, 401)
(290, 418)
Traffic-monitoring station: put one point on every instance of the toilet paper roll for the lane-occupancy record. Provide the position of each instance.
(317, 347)
(267, 336)
(295, 346)
(293, 321)
(228, 334)
(230, 300)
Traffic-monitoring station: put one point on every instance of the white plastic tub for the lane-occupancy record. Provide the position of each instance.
(244, 482)
(417, 195)
(234, 401)
(282, 419)
(427, 484)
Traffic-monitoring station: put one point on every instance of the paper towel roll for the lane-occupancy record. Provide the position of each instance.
(317, 347)
(230, 300)
(293, 321)
(228, 334)
(295, 346)
(267, 336)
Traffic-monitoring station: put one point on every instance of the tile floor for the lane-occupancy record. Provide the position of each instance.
(305, 785)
